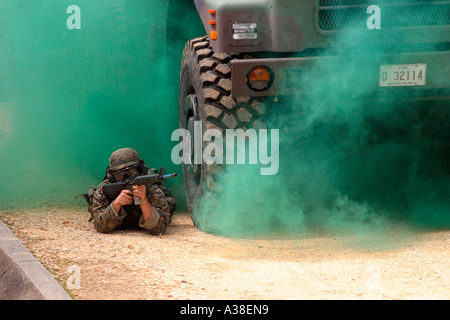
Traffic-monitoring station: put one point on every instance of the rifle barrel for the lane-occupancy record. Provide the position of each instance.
(170, 175)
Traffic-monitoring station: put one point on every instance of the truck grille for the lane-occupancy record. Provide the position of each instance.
(334, 15)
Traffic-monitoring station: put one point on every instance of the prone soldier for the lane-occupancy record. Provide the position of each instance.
(156, 206)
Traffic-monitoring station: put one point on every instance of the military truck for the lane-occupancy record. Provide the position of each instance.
(256, 51)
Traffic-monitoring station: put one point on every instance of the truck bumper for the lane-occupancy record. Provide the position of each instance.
(356, 76)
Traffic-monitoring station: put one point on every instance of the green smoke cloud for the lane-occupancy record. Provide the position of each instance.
(348, 162)
(69, 98)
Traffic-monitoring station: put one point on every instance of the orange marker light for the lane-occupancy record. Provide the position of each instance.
(212, 22)
(259, 74)
(213, 35)
(212, 11)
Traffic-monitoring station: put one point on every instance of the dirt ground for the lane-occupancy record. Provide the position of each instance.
(187, 264)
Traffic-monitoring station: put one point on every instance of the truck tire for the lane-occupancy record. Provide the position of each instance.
(205, 95)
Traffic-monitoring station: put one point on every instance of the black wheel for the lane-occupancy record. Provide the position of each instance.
(205, 95)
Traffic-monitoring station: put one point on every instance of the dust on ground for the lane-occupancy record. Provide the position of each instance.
(185, 263)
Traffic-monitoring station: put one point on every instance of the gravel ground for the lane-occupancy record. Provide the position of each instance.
(185, 263)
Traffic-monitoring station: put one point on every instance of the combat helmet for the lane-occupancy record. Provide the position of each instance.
(123, 158)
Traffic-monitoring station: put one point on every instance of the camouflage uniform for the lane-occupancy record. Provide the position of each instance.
(106, 218)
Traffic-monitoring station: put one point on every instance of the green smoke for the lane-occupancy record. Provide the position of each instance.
(69, 98)
(348, 162)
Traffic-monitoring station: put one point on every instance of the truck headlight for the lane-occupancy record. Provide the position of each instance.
(260, 78)
(245, 31)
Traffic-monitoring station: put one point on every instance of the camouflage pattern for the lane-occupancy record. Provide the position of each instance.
(123, 158)
(106, 219)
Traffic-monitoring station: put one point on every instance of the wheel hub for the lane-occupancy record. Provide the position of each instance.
(191, 115)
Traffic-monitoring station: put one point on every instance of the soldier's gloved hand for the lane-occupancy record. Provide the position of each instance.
(140, 191)
(124, 198)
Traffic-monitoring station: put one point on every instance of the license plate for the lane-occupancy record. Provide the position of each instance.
(403, 75)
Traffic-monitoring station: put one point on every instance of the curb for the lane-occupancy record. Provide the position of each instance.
(22, 277)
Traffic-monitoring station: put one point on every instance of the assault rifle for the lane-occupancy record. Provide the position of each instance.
(112, 190)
